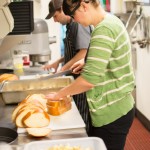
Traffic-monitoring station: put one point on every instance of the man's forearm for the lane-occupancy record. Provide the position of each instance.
(80, 55)
(60, 60)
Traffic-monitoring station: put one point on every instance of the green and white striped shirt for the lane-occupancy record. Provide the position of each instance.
(109, 67)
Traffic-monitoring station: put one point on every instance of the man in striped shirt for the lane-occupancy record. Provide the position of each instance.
(107, 76)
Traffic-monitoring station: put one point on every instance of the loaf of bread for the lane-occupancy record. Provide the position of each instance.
(9, 77)
(57, 108)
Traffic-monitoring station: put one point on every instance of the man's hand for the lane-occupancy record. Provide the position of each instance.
(52, 66)
(77, 67)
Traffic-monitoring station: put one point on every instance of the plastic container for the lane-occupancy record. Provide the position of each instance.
(57, 108)
(18, 62)
(90, 143)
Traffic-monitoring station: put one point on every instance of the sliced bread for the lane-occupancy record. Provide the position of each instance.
(37, 97)
(38, 132)
(36, 119)
(22, 113)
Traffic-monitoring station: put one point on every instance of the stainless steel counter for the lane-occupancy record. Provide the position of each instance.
(5, 121)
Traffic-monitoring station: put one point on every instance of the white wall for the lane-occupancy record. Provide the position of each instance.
(143, 72)
(41, 11)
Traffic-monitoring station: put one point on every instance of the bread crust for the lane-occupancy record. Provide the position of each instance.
(9, 77)
(56, 108)
(37, 97)
(38, 132)
(24, 104)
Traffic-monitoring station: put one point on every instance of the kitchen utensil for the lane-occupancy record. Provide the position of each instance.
(7, 135)
(56, 74)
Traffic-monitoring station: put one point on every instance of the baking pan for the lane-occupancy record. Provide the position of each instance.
(7, 135)
(16, 91)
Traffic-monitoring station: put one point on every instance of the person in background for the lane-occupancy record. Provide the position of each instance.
(62, 37)
(76, 44)
(107, 76)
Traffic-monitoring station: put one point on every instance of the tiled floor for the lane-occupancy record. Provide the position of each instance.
(138, 137)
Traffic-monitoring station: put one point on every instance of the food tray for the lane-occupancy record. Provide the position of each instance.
(16, 91)
(92, 143)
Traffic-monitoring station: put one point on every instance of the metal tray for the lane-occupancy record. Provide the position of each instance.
(87, 143)
(16, 91)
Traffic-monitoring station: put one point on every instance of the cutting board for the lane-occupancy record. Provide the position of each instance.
(69, 120)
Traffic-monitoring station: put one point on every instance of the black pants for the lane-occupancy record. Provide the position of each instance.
(114, 134)
(82, 105)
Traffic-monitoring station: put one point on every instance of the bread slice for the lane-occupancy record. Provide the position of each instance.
(33, 103)
(22, 112)
(19, 117)
(36, 119)
(38, 132)
(24, 104)
(14, 114)
(37, 97)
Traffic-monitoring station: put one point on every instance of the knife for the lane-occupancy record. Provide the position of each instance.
(66, 72)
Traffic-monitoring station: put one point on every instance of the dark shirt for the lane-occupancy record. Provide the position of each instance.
(77, 37)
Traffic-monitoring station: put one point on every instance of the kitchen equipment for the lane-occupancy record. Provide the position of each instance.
(16, 91)
(29, 38)
(90, 143)
(36, 44)
(2, 71)
(7, 21)
(69, 120)
(22, 13)
(136, 23)
(40, 51)
(16, 18)
(7, 135)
